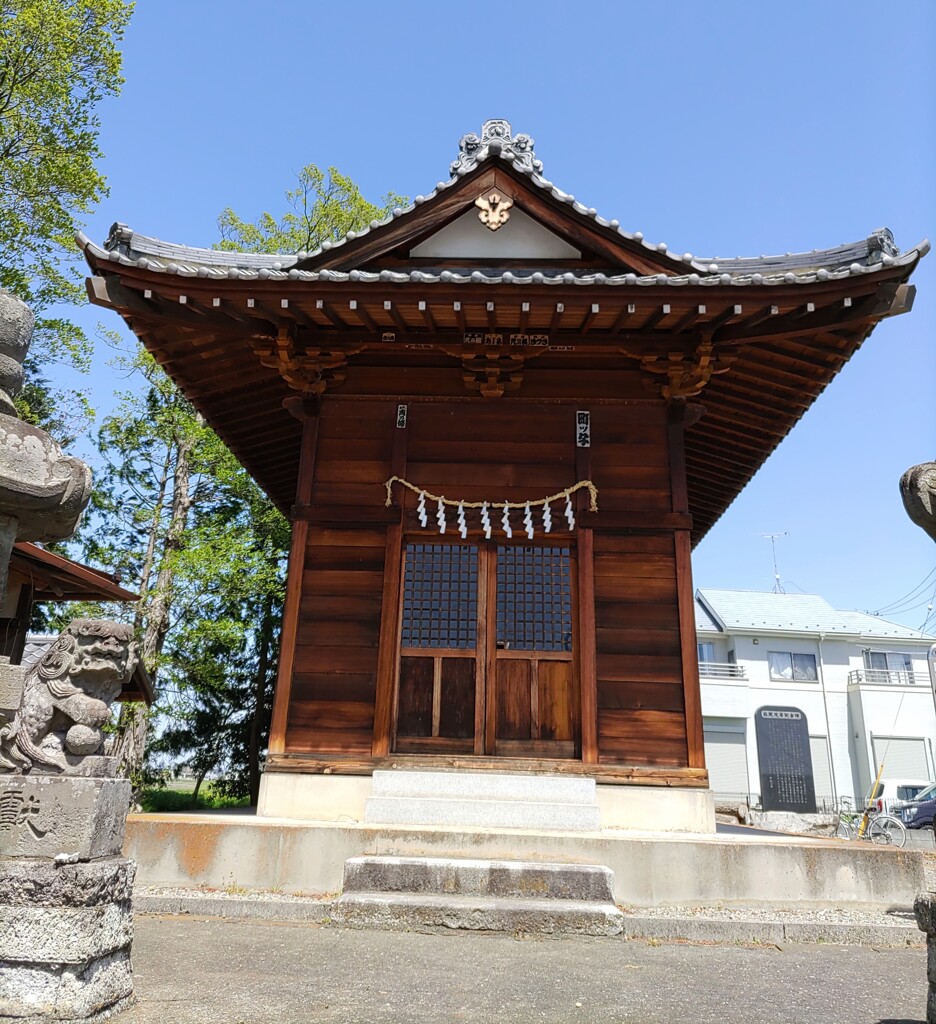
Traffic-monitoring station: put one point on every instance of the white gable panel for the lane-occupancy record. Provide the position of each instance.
(520, 238)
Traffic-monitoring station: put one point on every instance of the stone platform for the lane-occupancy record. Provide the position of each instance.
(231, 850)
(485, 800)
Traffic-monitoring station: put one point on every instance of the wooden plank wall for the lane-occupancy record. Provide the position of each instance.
(492, 450)
(639, 668)
(331, 708)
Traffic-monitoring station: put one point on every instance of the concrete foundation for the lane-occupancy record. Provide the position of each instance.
(924, 908)
(222, 850)
(66, 921)
(344, 798)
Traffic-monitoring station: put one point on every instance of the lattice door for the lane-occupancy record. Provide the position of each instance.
(486, 651)
(533, 681)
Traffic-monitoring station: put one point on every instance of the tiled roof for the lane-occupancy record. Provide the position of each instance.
(36, 646)
(704, 622)
(877, 251)
(872, 626)
(752, 611)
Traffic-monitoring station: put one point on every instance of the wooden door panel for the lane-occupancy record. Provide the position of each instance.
(457, 698)
(514, 705)
(414, 717)
(554, 700)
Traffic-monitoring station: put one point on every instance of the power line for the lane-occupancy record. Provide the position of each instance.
(910, 596)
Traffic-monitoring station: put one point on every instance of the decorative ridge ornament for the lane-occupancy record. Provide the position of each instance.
(495, 140)
(505, 506)
(494, 209)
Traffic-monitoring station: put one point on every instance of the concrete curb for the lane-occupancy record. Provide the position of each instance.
(305, 911)
(687, 928)
(777, 933)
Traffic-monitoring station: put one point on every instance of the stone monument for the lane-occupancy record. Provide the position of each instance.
(918, 490)
(65, 915)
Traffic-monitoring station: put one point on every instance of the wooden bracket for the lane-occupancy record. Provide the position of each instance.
(309, 370)
(491, 371)
(686, 373)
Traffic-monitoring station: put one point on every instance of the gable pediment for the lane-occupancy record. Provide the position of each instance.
(520, 237)
(544, 225)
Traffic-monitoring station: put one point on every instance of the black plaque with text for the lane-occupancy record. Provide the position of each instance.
(785, 760)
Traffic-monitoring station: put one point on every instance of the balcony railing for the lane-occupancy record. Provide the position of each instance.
(887, 677)
(720, 670)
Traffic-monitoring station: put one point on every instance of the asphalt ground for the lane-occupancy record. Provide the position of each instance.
(213, 971)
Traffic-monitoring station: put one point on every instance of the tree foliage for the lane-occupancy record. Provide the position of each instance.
(176, 516)
(58, 60)
(324, 205)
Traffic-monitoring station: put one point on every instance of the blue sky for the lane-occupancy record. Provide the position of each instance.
(722, 129)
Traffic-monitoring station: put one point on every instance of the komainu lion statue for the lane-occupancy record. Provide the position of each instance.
(67, 697)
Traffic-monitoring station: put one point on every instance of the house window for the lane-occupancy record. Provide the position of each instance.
(898, 665)
(787, 666)
(706, 652)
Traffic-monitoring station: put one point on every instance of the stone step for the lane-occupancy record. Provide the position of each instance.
(459, 785)
(503, 879)
(408, 911)
(562, 817)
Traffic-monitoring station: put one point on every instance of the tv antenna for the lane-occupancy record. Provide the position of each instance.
(772, 537)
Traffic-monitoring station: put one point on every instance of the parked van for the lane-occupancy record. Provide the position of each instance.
(897, 791)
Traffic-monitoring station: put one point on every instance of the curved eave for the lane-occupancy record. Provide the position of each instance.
(186, 262)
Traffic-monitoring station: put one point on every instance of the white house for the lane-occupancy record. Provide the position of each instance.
(863, 683)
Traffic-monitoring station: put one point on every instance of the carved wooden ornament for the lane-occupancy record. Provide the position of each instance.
(494, 209)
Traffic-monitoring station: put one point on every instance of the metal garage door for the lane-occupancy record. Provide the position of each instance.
(903, 758)
(726, 760)
(822, 775)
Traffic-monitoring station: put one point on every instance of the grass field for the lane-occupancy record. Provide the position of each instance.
(176, 795)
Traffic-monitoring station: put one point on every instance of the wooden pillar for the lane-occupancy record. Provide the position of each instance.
(587, 643)
(682, 415)
(385, 698)
(307, 411)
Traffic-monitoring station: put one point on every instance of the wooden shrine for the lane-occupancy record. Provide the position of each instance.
(498, 423)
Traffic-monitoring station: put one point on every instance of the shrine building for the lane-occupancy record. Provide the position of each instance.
(498, 424)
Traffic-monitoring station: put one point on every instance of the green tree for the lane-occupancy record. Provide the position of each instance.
(58, 60)
(176, 514)
(323, 205)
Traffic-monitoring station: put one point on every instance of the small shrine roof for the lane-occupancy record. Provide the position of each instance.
(496, 143)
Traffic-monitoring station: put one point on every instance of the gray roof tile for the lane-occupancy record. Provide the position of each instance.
(130, 248)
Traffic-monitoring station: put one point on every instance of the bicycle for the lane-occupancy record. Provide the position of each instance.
(881, 829)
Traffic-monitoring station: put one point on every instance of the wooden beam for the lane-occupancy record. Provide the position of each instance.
(331, 313)
(587, 642)
(428, 319)
(590, 316)
(369, 322)
(685, 322)
(612, 774)
(524, 316)
(556, 317)
(391, 308)
(689, 650)
(387, 657)
(297, 554)
(660, 313)
(621, 318)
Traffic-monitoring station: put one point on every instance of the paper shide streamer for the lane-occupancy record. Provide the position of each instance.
(485, 508)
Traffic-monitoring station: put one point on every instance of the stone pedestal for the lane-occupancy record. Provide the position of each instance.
(924, 907)
(65, 898)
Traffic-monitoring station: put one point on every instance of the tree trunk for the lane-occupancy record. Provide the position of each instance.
(198, 781)
(260, 691)
(130, 747)
(155, 526)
